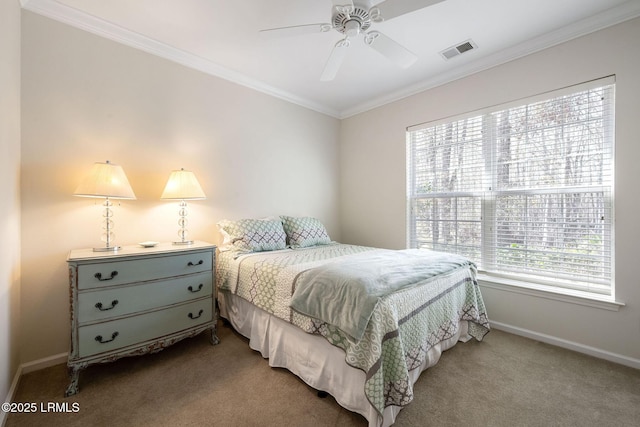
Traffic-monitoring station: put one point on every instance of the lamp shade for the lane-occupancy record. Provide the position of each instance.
(105, 180)
(182, 185)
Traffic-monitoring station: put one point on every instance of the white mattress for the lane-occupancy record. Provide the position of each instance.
(313, 359)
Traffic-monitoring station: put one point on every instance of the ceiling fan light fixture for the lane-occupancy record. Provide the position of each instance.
(352, 28)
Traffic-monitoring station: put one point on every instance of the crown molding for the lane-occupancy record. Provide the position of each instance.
(608, 18)
(100, 27)
(76, 18)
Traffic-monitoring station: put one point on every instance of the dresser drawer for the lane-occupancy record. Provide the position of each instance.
(115, 334)
(101, 304)
(99, 274)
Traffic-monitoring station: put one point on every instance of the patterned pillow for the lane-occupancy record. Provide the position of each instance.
(252, 235)
(305, 231)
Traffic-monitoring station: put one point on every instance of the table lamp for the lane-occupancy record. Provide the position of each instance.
(109, 181)
(182, 185)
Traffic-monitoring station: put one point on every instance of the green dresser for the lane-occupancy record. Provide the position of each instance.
(138, 300)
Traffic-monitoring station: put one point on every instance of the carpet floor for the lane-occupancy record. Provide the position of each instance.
(506, 380)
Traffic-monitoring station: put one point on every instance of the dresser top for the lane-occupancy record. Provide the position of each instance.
(133, 250)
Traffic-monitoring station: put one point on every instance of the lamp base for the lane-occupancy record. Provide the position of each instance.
(107, 249)
(183, 242)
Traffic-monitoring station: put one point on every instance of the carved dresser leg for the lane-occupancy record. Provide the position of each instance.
(74, 373)
(213, 339)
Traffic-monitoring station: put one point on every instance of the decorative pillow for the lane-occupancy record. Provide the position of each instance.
(305, 231)
(252, 235)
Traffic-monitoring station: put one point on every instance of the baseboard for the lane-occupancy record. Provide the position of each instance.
(570, 345)
(46, 362)
(25, 368)
(11, 394)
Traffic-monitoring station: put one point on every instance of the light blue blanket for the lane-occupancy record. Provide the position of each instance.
(344, 293)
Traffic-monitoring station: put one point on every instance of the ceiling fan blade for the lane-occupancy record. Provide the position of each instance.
(389, 9)
(348, 3)
(335, 60)
(390, 48)
(296, 30)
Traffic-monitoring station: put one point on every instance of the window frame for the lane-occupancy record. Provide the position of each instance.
(488, 248)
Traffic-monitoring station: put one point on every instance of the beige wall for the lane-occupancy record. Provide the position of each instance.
(88, 99)
(10, 193)
(372, 169)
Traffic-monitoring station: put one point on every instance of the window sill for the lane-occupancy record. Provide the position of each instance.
(548, 292)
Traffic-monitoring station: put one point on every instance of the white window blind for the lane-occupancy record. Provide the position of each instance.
(525, 190)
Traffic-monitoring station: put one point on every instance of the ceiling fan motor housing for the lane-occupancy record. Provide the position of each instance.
(353, 22)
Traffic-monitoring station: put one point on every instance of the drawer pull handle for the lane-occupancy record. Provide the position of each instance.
(191, 316)
(197, 263)
(113, 337)
(113, 304)
(99, 276)
(191, 288)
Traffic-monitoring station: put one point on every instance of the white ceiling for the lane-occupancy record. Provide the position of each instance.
(222, 38)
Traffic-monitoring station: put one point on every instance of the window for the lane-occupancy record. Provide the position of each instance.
(525, 190)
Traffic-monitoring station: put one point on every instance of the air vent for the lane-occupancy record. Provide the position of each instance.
(458, 50)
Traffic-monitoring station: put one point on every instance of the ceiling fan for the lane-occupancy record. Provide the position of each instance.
(352, 18)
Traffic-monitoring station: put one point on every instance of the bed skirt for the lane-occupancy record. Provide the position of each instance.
(313, 359)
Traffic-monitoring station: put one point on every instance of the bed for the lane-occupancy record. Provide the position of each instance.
(357, 322)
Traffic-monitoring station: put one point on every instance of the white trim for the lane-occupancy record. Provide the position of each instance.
(11, 394)
(552, 293)
(76, 18)
(570, 345)
(25, 368)
(84, 21)
(544, 96)
(573, 286)
(613, 16)
(43, 363)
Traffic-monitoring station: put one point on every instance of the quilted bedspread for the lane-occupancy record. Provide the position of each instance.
(402, 327)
